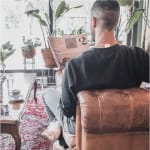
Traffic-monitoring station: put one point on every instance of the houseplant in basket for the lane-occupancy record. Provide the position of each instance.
(29, 48)
(45, 23)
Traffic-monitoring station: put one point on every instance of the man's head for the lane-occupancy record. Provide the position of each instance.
(105, 14)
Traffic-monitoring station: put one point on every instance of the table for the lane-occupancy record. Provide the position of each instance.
(10, 124)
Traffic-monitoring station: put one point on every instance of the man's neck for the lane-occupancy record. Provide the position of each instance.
(105, 39)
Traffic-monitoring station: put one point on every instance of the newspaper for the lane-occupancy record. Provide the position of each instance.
(67, 47)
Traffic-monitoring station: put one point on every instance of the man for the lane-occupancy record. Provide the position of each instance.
(107, 65)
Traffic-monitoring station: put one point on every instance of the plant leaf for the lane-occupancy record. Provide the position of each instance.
(6, 51)
(31, 11)
(35, 15)
(77, 6)
(6, 45)
(81, 30)
(2, 57)
(62, 7)
(10, 47)
(133, 19)
(47, 18)
(43, 22)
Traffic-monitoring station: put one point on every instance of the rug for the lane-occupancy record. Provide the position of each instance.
(34, 122)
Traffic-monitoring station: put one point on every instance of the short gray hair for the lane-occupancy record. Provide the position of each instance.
(107, 12)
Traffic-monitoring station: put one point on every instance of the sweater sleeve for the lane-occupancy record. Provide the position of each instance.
(68, 97)
(142, 64)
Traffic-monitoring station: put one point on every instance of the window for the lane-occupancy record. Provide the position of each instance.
(75, 19)
(79, 18)
(15, 23)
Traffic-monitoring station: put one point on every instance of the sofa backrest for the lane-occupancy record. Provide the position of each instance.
(114, 110)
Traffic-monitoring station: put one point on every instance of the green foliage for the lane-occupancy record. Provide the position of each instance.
(47, 18)
(136, 15)
(125, 2)
(60, 32)
(6, 50)
(44, 21)
(133, 19)
(78, 31)
(77, 7)
(29, 44)
(36, 15)
(61, 9)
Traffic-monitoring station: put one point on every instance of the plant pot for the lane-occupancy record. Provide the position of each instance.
(48, 58)
(28, 53)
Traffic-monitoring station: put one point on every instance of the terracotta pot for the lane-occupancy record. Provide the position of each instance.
(48, 58)
(29, 54)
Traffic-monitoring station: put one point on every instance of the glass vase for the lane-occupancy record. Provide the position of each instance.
(2, 76)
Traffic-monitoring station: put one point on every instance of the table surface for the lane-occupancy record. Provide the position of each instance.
(23, 82)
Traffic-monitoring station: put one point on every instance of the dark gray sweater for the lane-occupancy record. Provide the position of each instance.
(103, 68)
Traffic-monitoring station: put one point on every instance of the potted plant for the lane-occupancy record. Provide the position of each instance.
(29, 48)
(61, 10)
(6, 50)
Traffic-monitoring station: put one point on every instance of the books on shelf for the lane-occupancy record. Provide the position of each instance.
(67, 47)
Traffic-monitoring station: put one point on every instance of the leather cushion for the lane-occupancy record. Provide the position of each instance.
(106, 111)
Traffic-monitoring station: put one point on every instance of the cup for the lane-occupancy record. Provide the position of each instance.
(10, 84)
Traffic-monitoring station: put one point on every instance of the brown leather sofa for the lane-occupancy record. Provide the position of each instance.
(113, 120)
(110, 119)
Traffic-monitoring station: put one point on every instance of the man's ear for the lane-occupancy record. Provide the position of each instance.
(94, 22)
